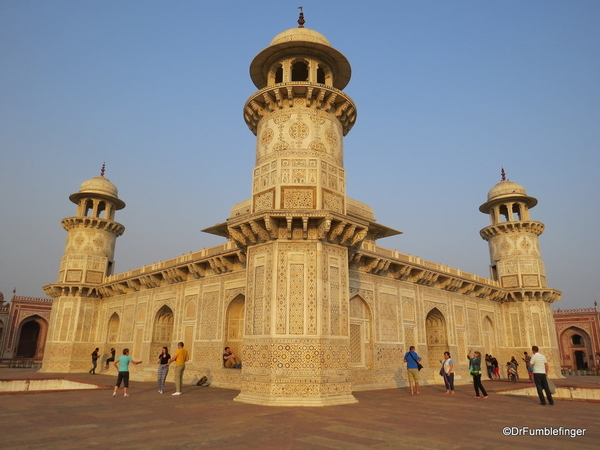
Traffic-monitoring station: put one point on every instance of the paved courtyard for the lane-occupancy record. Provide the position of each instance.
(208, 418)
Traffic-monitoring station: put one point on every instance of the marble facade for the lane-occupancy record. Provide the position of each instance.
(301, 288)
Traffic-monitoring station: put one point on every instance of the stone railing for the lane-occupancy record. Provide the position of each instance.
(576, 311)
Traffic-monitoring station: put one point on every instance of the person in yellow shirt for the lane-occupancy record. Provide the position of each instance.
(180, 358)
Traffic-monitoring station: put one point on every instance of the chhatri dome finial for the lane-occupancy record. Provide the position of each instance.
(503, 173)
(103, 169)
(301, 20)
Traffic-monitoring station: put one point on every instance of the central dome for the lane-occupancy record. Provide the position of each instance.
(300, 34)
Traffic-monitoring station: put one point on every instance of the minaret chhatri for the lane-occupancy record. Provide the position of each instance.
(299, 229)
(88, 259)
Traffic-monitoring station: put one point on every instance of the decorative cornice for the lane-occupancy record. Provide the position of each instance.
(521, 226)
(318, 96)
(70, 223)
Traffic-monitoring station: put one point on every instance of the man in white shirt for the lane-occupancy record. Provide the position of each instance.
(540, 375)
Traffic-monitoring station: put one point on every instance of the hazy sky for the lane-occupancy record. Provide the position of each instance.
(447, 92)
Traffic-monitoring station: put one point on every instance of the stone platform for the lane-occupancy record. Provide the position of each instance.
(209, 418)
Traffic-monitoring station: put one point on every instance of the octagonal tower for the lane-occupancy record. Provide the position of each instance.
(298, 230)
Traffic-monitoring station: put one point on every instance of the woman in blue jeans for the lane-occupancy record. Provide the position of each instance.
(475, 369)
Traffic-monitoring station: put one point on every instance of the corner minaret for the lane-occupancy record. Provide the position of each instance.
(516, 263)
(516, 260)
(299, 116)
(91, 233)
(87, 261)
(298, 231)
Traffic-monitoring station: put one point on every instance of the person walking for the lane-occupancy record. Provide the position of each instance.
(163, 368)
(94, 361)
(540, 375)
(412, 359)
(122, 365)
(475, 369)
(180, 358)
(447, 372)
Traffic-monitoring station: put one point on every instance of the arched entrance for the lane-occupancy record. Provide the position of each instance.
(360, 333)
(234, 325)
(577, 348)
(580, 362)
(437, 336)
(29, 338)
(162, 332)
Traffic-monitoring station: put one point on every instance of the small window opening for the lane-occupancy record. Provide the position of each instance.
(300, 72)
(320, 76)
(279, 75)
(516, 212)
(101, 209)
(577, 340)
(89, 207)
(504, 212)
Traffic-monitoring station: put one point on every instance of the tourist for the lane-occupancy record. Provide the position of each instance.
(475, 370)
(540, 375)
(511, 371)
(94, 361)
(516, 364)
(122, 365)
(496, 367)
(488, 365)
(111, 359)
(163, 368)
(447, 371)
(180, 358)
(527, 359)
(230, 360)
(412, 359)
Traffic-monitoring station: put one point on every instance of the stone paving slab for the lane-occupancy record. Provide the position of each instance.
(207, 418)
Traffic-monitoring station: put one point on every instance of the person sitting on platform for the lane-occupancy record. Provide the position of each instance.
(230, 360)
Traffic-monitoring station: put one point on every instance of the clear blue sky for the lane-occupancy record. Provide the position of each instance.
(447, 92)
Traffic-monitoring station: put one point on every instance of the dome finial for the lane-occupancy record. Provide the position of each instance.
(103, 169)
(503, 173)
(301, 20)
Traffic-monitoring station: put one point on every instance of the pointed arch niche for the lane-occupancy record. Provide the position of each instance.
(112, 336)
(234, 324)
(437, 336)
(162, 332)
(361, 354)
(488, 336)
